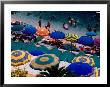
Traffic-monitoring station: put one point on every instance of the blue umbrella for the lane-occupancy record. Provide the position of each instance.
(86, 40)
(57, 35)
(36, 52)
(29, 29)
(17, 27)
(81, 69)
(91, 33)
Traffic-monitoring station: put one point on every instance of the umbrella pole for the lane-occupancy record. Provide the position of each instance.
(71, 46)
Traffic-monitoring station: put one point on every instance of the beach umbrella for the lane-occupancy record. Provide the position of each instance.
(86, 40)
(19, 57)
(80, 69)
(84, 59)
(44, 61)
(97, 41)
(29, 30)
(17, 27)
(96, 72)
(57, 35)
(72, 38)
(42, 32)
(91, 33)
(36, 52)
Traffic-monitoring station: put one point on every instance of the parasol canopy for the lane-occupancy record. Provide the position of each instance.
(81, 69)
(84, 59)
(17, 27)
(42, 32)
(97, 41)
(91, 33)
(19, 57)
(29, 29)
(57, 35)
(86, 40)
(44, 61)
(71, 37)
(96, 72)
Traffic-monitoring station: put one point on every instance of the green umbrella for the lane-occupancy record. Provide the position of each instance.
(44, 61)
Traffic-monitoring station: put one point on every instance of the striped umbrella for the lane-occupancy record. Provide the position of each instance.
(71, 37)
(96, 72)
(44, 61)
(19, 57)
(84, 59)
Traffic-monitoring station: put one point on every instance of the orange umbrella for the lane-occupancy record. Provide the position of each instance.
(42, 32)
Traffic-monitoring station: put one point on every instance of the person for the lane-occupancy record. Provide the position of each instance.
(52, 17)
(39, 23)
(71, 21)
(48, 25)
(75, 22)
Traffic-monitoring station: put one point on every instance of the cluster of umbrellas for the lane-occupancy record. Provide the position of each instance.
(30, 30)
(42, 61)
(25, 29)
(82, 65)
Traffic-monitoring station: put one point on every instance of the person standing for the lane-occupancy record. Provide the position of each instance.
(39, 22)
(48, 25)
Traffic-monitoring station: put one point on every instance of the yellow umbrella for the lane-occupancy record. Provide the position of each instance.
(84, 59)
(71, 37)
(19, 57)
(96, 72)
